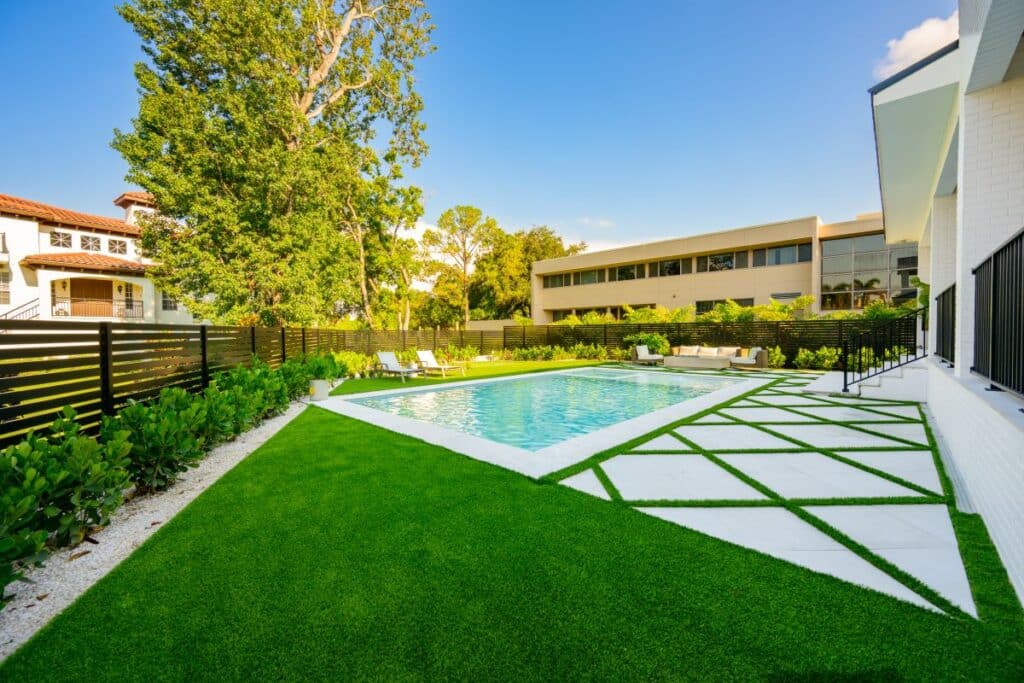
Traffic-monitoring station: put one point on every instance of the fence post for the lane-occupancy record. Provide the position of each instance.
(846, 363)
(106, 371)
(481, 341)
(434, 348)
(303, 341)
(204, 359)
(606, 335)
(284, 346)
(252, 339)
(547, 335)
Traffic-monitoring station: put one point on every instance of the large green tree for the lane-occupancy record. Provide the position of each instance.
(463, 233)
(501, 286)
(265, 130)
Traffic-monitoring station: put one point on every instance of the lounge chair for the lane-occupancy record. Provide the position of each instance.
(755, 358)
(429, 364)
(643, 355)
(389, 365)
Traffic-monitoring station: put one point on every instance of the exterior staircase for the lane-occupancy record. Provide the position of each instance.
(903, 383)
(26, 311)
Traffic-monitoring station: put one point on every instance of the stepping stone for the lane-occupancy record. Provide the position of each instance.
(767, 415)
(813, 475)
(911, 432)
(834, 436)
(906, 412)
(674, 477)
(664, 442)
(713, 419)
(587, 482)
(847, 414)
(789, 400)
(917, 467)
(731, 437)
(919, 539)
(780, 533)
(744, 404)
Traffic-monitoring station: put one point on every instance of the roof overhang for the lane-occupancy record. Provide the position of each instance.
(915, 119)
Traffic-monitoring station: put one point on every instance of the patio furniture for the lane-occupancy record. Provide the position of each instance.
(643, 355)
(702, 357)
(755, 358)
(428, 363)
(389, 365)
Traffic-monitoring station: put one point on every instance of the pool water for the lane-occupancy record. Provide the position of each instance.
(541, 410)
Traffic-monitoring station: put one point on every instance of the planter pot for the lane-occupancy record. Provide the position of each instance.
(319, 389)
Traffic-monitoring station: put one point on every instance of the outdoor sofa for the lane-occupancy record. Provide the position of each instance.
(716, 357)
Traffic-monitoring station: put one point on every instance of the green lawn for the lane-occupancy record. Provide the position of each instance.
(340, 550)
(494, 368)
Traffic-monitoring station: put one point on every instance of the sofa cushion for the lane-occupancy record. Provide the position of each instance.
(728, 350)
(687, 350)
(707, 351)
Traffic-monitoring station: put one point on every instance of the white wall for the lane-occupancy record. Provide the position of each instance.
(942, 256)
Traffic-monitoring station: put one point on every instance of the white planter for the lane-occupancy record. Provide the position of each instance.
(319, 389)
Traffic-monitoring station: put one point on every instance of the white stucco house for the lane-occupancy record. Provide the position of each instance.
(949, 134)
(58, 264)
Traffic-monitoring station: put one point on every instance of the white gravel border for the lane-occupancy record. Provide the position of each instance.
(68, 573)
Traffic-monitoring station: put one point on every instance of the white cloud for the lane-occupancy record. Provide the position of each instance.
(591, 222)
(917, 43)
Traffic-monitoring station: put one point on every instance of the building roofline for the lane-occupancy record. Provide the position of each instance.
(916, 66)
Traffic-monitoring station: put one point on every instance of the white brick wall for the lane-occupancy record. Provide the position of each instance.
(942, 254)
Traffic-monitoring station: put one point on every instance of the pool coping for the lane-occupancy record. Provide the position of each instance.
(538, 463)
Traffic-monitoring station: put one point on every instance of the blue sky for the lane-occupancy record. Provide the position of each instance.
(610, 121)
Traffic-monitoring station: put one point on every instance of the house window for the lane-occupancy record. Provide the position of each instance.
(558, 280)
(858, 270)
(707, 306)
(781, 256)
(635, 271)
(588, 277)
(90, 243)
(667, 268)
(60, 239)
(5, 286)
(702, 264)
(804, 252)
(741, 259)
(759, 258)
(167, 303)
(117, 246)
(720, 262)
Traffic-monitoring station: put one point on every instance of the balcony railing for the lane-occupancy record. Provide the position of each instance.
(999, 317)
(75, 307)
(945, 328)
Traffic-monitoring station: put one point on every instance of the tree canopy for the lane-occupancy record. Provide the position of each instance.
(272, 134)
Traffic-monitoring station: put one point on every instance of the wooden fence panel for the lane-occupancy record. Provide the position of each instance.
(144, 361)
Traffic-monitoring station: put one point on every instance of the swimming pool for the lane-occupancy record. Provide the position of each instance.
(536, 411)
(542, 422)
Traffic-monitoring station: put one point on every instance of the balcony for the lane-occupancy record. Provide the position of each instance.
(77, 307)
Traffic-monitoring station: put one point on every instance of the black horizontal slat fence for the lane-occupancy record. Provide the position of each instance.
(789, 335)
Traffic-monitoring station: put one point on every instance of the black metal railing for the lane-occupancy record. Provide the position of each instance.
(26, 311)
(888, 345)
(945, 328)
(77, 307)
(999, 317)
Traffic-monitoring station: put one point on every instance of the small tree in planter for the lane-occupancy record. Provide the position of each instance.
(322, 371)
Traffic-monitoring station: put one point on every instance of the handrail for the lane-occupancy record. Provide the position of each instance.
(26, 311)
(886, 346)
(88, 307)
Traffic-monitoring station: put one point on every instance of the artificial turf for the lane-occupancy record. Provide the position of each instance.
(482, 370)
(340, 550)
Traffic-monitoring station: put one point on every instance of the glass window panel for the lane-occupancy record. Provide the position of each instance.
(687, 265)
(837, 264)
(652, 270)
(804, 252)
(835, 302)
(869, 243)
(622, 273)
(862, 299)
(744, 302)
(613, 274)
(704, 306)
(900, 279)
(759, 258)
(836, 247)
(720, 262)
(877, 260)
(872, 279)
(667, 268)
(836, 283)
(741, 259)
(902, 296)
(702, 264)
(903, 258)
(780, 256)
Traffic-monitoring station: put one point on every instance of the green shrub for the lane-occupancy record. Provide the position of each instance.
(354, 363)
(220, 416)
(863, 361)
(296, 375)
(776, 358)
(827, 357)
(322, 367)
(162, 436)
(583, 351)
(451, 352)
(22, 484)
(655, 343)
(805, 359)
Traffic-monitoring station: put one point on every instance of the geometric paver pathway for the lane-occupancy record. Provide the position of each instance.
(840, 452)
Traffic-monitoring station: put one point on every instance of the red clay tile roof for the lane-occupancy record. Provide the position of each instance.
(54, 214)
(143, 198)
(84, 261)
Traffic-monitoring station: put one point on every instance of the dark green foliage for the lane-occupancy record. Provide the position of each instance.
(776, 358)
(220, 416)
(322, 367)
(655, 343)
(22, 487)
(163, 436)
(825, 358)
(296, 375)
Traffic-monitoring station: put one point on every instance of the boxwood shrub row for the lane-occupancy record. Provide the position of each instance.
(56, 488)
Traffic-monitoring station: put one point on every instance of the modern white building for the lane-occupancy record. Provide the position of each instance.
(949, 133)
(58, 264)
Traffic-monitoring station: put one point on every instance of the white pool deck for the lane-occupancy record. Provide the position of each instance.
(855, 465)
